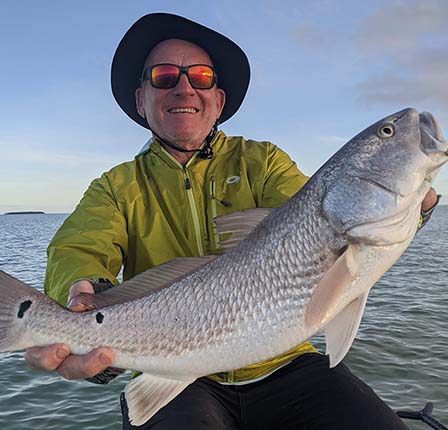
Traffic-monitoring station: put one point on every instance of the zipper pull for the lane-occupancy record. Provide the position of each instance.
(187, 183)
(212, 193)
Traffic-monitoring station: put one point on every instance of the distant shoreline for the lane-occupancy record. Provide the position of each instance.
(24, 213)
(68, 213)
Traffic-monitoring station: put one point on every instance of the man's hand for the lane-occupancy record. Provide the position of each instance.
(430, 200)
(58, 357)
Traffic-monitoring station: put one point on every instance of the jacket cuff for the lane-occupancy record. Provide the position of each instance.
(99, 284)
(426, 215)
(106, 376)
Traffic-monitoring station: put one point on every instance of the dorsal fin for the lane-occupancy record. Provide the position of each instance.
(145, 283)
(239, 224)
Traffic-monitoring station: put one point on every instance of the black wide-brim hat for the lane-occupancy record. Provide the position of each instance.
(230, 62)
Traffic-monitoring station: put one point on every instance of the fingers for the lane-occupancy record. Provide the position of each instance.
(86, 366)
(47, 357)
(74, 302)
(57, 357)
(430, 200)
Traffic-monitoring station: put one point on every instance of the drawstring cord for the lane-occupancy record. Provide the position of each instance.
(205, 153)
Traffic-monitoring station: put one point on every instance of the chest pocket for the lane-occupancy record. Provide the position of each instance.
(231, 193)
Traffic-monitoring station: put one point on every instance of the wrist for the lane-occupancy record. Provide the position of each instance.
(97, 284)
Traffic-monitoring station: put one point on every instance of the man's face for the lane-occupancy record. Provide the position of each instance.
(182, 115)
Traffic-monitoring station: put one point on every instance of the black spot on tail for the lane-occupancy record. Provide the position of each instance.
(24, 306)
(99, 317)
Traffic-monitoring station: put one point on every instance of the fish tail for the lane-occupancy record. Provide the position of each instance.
(16, 301)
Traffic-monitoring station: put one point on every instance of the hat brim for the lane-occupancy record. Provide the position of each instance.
(229, 60)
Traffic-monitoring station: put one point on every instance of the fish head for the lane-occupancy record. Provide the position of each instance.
(379, 179)
(401, 152)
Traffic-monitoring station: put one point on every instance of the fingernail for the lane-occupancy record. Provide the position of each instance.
(62, 353)
(104, 359)
(75, 306)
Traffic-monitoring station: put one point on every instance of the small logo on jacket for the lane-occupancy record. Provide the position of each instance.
(232, 180)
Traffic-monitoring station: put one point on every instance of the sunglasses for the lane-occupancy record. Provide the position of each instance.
(165, 76)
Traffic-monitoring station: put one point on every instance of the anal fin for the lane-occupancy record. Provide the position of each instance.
(147, 394)
(341, 330)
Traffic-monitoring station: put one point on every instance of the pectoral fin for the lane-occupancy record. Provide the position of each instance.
(147, 394)
(330, 289)
(342, 329)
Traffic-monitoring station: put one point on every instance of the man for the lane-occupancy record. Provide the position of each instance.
(180, 79)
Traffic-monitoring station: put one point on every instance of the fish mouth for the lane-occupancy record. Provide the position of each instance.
(428, 122)
(431, 135)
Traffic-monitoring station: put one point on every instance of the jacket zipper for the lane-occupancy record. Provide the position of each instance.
(214, 212)
(191, 201)
(194, 212)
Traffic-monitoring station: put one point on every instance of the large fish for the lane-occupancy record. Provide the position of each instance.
(307, 266)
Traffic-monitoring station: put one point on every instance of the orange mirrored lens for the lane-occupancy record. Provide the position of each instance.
(201, 76)
(166, 76)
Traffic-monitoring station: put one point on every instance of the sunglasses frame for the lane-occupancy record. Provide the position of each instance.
(147, 75)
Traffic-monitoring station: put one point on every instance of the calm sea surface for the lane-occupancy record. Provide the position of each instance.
(401, 349)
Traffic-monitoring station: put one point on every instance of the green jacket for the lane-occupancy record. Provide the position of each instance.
(150, 210)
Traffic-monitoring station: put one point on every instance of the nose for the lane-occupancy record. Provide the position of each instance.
(183, 86)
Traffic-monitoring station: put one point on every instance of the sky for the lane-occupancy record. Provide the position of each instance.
(321, 72)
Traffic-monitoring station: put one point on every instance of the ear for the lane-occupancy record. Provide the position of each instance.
(139, 102)
(220, 100)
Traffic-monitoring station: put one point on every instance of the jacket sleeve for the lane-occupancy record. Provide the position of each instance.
(91, 243)
(282, 178)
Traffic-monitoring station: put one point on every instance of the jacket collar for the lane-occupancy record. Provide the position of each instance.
(155, 147)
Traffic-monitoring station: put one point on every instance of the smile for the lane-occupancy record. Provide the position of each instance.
(183, 110)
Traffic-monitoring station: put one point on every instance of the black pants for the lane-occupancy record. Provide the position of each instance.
(304, 395)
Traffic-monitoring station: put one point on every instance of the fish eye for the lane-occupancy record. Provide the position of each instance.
(386, 131)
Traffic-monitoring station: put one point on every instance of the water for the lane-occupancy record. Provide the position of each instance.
(401, 349)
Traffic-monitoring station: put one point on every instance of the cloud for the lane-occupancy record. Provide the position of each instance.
(399, 27)
(403, 46)
(389, 88)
